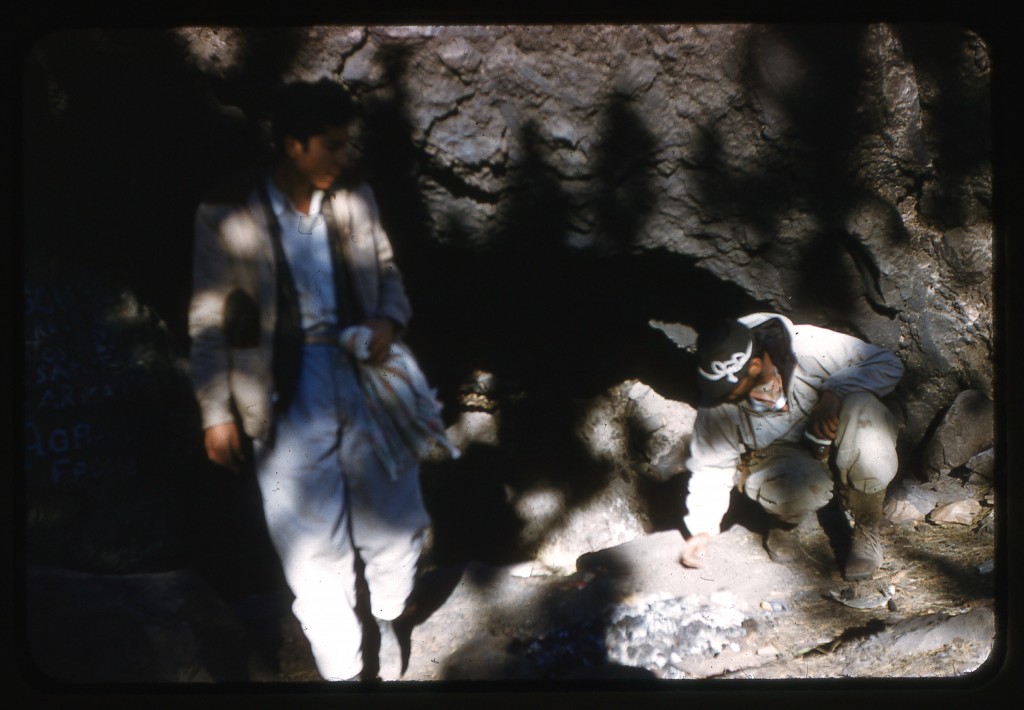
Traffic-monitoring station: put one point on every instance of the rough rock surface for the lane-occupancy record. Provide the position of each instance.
(965, 433)
(551, 191)
(748, 149)
(840, 174)
(635, 425)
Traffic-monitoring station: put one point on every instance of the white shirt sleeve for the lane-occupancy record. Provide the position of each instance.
(846, 364)
(715, 450)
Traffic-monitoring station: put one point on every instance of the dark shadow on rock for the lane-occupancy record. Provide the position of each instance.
(665, 501)
(815, 75)
(472, 499)
(133, 145)
(432, 589)
(956, 101)
(534, 217)
(227, 536)
(563, 644)
(836, 527)
(828, 275)
(467, 502)
(757, 196)
(625, 193)
(811, 78)
(392, 164)
(837, 271)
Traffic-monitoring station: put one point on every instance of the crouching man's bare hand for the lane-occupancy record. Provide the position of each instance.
(824, 422)
(694, 549)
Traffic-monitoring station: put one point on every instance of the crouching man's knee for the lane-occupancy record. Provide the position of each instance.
(866, 457)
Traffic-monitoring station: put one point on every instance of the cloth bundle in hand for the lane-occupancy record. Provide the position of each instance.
(403, 408)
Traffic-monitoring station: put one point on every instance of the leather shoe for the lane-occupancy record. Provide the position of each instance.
(782, 544)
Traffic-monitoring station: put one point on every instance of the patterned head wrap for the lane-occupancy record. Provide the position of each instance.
(723, 358)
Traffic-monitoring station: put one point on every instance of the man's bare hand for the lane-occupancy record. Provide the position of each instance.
(383, 335)
(694, 549)
(824, 422)
(224, 445)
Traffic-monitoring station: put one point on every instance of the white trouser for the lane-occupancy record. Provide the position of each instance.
(326, 497)
(791, 484)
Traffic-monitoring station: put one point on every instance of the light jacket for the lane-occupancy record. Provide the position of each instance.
(233, 256)
(820, 359)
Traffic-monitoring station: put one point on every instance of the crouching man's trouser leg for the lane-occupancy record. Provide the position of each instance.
(790, 485)
(866, 463)
(788, 482)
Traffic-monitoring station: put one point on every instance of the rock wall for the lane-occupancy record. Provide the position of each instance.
(838, 174)
(551, 190)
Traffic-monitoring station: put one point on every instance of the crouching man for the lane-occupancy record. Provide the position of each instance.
(788, 412)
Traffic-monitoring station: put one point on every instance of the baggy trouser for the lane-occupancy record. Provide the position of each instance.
(866, 463)
(326, 498)
(790, 484)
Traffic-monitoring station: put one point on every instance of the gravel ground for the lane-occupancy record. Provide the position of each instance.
(633, 612)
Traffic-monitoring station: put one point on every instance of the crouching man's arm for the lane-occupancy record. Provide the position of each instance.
(715, 453)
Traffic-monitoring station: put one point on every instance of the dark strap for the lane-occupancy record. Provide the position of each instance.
(347, 305)
(288, 340)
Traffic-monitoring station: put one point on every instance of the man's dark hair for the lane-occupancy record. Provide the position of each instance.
(303, 109)
(714, 335)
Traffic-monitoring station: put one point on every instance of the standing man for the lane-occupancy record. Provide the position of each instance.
(275, 281)
(769, 389)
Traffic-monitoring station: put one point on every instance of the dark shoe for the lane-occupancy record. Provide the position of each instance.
(782, 544)
(390, 654)
(865, 553)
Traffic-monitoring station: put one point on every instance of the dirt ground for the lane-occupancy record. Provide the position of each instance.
(475, 621)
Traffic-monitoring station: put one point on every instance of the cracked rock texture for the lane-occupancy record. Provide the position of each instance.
(838, 174)
(552, 193)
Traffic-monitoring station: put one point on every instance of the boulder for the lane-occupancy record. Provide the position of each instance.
(963, 436)
(640, 435)
(614, 516)
(962, 512)
(635, 426)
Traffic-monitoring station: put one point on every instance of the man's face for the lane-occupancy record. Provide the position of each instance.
(751, 380)
(324, 157)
